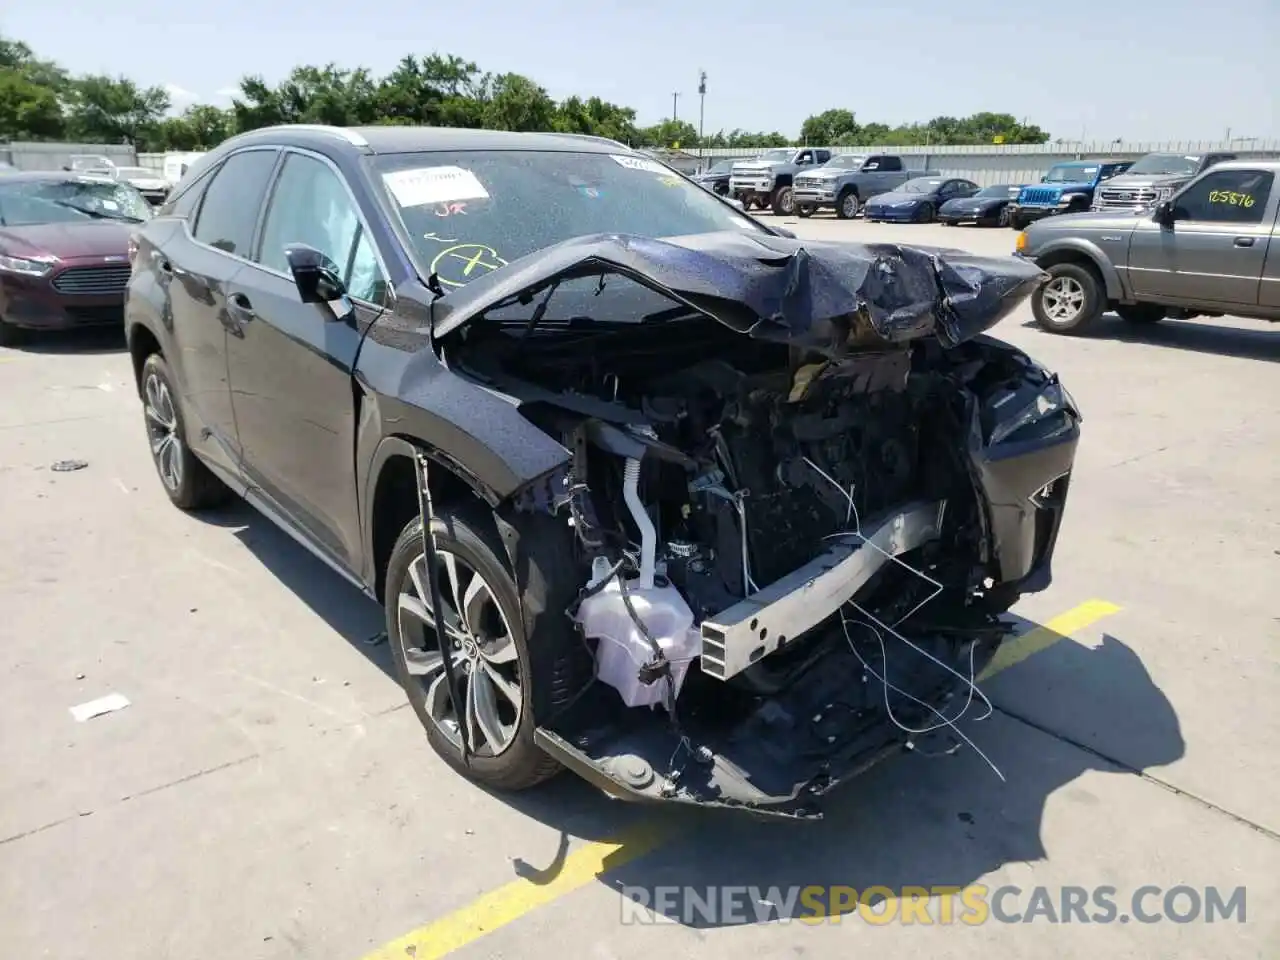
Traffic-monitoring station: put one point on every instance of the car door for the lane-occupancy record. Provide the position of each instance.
(201, 261)
(1212, 254)
(291, 362)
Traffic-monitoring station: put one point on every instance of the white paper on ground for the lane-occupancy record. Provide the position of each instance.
(641, 163)
(96, 708)
(423, 185)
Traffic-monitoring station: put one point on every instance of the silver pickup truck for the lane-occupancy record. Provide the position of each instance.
(1212, 249)
(1155, 177)
(847, 181)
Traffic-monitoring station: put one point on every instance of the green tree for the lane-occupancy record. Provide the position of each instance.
(28, 111)
(104, 109)
(517, 103)
(829, 127)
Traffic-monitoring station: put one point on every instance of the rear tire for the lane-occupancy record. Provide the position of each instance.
(1071, 300)
(189, 484)
(1141, 313)
(544, 661)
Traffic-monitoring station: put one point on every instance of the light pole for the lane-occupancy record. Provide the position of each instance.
(675, 110)
(702, 106)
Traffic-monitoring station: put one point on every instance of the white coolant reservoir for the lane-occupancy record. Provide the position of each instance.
(623, 650)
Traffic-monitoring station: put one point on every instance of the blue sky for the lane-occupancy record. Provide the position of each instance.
(1142, 70)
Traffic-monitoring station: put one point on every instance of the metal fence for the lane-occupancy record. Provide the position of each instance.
(1024, 163)
(55, 156)
(984, 164)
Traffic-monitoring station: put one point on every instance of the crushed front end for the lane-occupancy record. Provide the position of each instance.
(798, 516)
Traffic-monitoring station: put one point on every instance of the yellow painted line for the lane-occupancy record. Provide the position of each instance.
(1046, 635)
(513, 900)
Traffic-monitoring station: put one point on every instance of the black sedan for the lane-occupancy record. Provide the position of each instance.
(918, 200)
(715, 178)
(588, 471)
(988, 207)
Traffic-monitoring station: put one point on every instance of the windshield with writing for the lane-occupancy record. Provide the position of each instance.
(469, 213)
(920, 185)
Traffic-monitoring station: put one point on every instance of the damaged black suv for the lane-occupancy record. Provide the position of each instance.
(649, 490)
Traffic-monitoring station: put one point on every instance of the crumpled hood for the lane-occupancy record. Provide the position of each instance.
(822, 295)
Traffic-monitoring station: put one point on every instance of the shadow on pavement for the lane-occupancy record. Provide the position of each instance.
(940, 821)
(912, 821)
(1197, 336)
(344, 608)
(86, 342)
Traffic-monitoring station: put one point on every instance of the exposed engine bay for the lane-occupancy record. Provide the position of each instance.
(792, 561)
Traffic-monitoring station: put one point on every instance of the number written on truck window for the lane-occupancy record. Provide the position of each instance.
(1226, 196)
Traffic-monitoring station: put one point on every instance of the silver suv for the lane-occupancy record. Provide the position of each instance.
(1211, 249)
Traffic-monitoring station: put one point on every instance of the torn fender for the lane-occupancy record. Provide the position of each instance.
(822, 295)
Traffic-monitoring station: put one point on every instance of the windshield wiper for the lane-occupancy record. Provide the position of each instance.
(96, 214)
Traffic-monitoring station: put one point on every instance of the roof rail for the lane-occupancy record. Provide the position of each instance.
(353, 138)
(592, 136)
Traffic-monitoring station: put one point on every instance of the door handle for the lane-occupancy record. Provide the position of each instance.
(1244, 241)
(239, 312)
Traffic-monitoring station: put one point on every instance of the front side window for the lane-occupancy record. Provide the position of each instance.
(311, 205)
(1226, 196)
(469, 213)
(891, 164)
(70, 200)
(233, 200)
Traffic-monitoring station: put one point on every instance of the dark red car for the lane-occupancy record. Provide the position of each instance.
(64, 250)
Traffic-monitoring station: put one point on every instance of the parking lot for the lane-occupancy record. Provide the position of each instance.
(267, 793)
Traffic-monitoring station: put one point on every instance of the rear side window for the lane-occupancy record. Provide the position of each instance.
(186, 203)
(232, 201)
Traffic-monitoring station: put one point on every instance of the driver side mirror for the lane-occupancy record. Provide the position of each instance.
(315, 275)
(1164, 214)
(1044, 179)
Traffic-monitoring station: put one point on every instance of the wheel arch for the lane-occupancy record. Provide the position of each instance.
(1085, 254)
(142, 343)
(391, 498)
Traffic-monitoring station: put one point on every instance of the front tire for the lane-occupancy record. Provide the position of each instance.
(805, 210)
(847, 205)
(783, 202)
(11, 336)
(1071, 300)
(1003, 219)
(189, 484)
(513, 671)
(925, 214)
(1017, 222)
